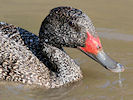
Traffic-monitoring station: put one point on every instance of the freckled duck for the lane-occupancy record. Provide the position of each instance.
(29, 59)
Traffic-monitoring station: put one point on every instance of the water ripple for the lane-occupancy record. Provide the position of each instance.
(111, 34)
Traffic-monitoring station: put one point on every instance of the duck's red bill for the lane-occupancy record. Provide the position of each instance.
(103, 59)
(93, 49)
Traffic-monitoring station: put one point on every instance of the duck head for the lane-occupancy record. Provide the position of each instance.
(70, 27)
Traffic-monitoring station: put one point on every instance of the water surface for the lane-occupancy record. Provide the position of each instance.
(114, 23)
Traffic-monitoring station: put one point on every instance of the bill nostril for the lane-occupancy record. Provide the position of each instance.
(98, 47)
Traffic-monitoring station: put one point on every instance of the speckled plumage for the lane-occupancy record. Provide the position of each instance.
(29, 59)
(66, 26)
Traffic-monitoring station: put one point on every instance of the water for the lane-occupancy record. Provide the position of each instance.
(113, 21)
(120, 81)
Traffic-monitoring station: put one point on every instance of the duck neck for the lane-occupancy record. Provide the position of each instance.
(63, 69)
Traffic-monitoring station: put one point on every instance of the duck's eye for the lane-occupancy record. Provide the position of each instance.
(71, 24)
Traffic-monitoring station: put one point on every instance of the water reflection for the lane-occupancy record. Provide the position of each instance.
(21, 92)
(116, 82)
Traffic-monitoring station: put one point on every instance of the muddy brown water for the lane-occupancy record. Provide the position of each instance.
(113, 20)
